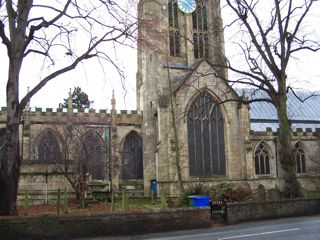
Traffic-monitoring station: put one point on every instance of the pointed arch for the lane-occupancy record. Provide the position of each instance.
(262, 156)
(132, 157)
(174, 36)
(48, 147)
(200, 31)
(299, 155)
(94, 153)
(205, 125)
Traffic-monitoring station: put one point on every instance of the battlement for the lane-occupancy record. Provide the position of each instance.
(296, 132)
(49, 111)
(131, 117)
(36, 114)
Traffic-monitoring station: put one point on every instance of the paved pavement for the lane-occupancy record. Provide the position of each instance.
(299, 228)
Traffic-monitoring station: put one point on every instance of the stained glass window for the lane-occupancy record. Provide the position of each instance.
(132, 157)
(94, 154)
(206, 138)
(262, 159)
(48, 149)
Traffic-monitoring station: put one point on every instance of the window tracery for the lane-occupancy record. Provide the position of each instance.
(205, 138)
(262, 159)
(132, 157)
(48, 148)
(174, 36)
(200, 31)
(300, 158)
(94, 155)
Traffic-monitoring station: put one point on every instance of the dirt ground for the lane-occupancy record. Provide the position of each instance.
(73, 208)
(93, 207)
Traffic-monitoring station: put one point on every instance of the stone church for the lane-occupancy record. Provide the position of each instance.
(179, 86)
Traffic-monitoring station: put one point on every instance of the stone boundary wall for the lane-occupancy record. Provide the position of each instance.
(117, 224)
(249, 211)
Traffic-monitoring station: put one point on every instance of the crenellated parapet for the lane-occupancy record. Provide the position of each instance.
(298, 133)
(61, 116)
(122, 116)
(129, 117)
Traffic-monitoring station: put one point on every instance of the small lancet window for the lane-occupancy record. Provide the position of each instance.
(174, 37)
(300, 158)
(262, 159)
(200, 29)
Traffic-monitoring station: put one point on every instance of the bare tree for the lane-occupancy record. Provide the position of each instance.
(267, 46)
(49, 31)
(83, 156)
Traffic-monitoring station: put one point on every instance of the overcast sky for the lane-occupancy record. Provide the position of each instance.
(99, 82)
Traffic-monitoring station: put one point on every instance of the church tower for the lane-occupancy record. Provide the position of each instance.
(174, 36)
(171, 38)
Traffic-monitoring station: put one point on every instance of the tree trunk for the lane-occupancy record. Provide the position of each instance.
(10, 166)
(286, 158)
(175, 136)
(9, 173)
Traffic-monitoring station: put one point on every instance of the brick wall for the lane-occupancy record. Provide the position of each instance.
(68, 227)
(249, 211)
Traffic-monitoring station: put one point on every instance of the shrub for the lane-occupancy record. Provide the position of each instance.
(198, 189)
(230, 192)
(221, 191)
(240, 193)
(183, 200)
(192, 189)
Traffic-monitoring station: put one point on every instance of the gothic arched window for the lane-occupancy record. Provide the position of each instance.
(132, 158)
(48, 148)
(300, 158)
(262, 159)
(174, 37)
(200, 31)
(205, 138)
(94, 155)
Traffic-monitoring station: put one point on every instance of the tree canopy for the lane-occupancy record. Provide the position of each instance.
(80, 99)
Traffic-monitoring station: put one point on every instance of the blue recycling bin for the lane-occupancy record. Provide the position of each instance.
(154, 190)
(199, 201)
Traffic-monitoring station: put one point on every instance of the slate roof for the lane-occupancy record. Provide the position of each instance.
(303, 115)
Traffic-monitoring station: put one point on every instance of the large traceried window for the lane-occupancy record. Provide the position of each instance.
(132, 157)
(174, 37)
(94, 154)
(200, 30)
(48, 148)
(299, 157)
(262, 159)
(206, 138)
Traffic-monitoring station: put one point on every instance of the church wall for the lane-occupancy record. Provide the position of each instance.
(34, 122)
(310, 141)
(202, 79)
(125, 124)
(233, 129)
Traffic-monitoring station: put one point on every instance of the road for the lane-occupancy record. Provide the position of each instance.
(306, 228)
